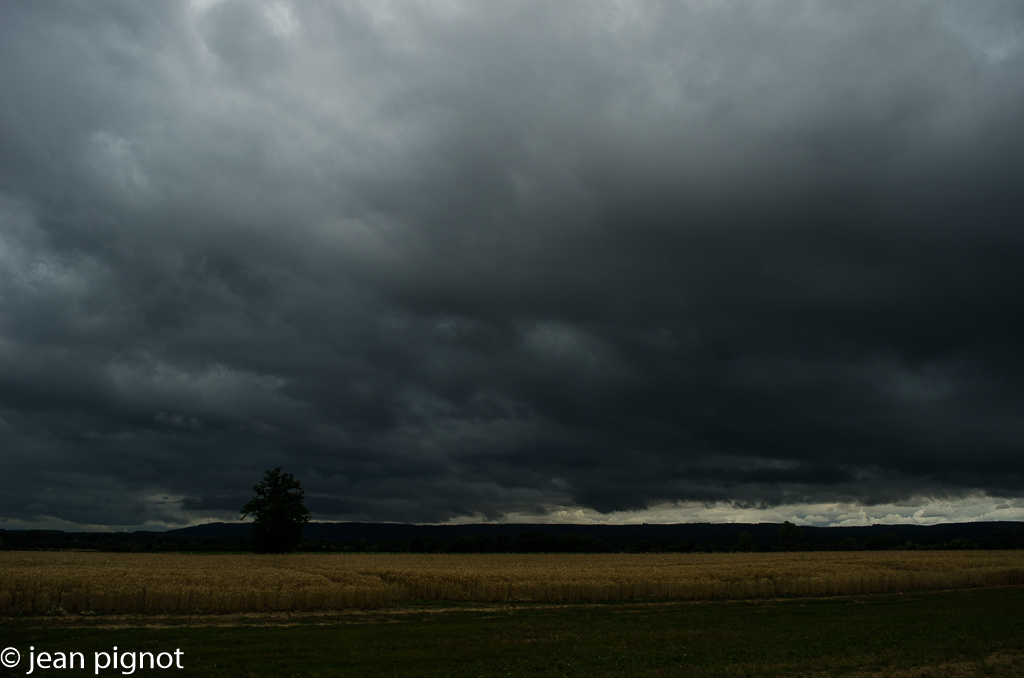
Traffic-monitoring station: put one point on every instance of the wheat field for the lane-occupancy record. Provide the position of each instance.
(81, 582)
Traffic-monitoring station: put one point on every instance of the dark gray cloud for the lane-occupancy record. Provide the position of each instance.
(483, 259)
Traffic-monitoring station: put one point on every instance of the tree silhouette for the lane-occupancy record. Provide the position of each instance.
(745, 542)
(789, 536)
(278, 513)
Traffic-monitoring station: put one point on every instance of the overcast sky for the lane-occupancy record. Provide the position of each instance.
(446, 261)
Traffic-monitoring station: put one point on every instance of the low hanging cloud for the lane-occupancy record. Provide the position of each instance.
(456, 261)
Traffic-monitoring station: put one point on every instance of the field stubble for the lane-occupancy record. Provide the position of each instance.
(76, 582)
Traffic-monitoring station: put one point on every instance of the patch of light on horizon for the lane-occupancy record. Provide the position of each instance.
(923, 512)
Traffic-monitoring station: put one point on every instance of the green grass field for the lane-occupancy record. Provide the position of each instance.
(964, 633)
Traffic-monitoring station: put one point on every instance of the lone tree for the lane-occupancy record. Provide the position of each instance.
(278, 513)
(789, 536)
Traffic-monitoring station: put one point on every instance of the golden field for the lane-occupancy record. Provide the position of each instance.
(41, 582)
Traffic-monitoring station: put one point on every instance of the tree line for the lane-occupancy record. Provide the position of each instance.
(788, 538)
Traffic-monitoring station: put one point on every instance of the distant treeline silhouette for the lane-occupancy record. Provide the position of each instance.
(392, 538)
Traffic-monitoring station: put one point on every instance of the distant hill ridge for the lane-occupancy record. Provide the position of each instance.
(541, 538)
(698, 532)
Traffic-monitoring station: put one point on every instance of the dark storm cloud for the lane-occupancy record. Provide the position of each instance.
(446, 260)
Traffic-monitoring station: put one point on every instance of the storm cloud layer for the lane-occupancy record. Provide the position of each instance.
(468, 260)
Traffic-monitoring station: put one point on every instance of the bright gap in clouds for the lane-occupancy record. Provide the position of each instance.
(931, 512)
